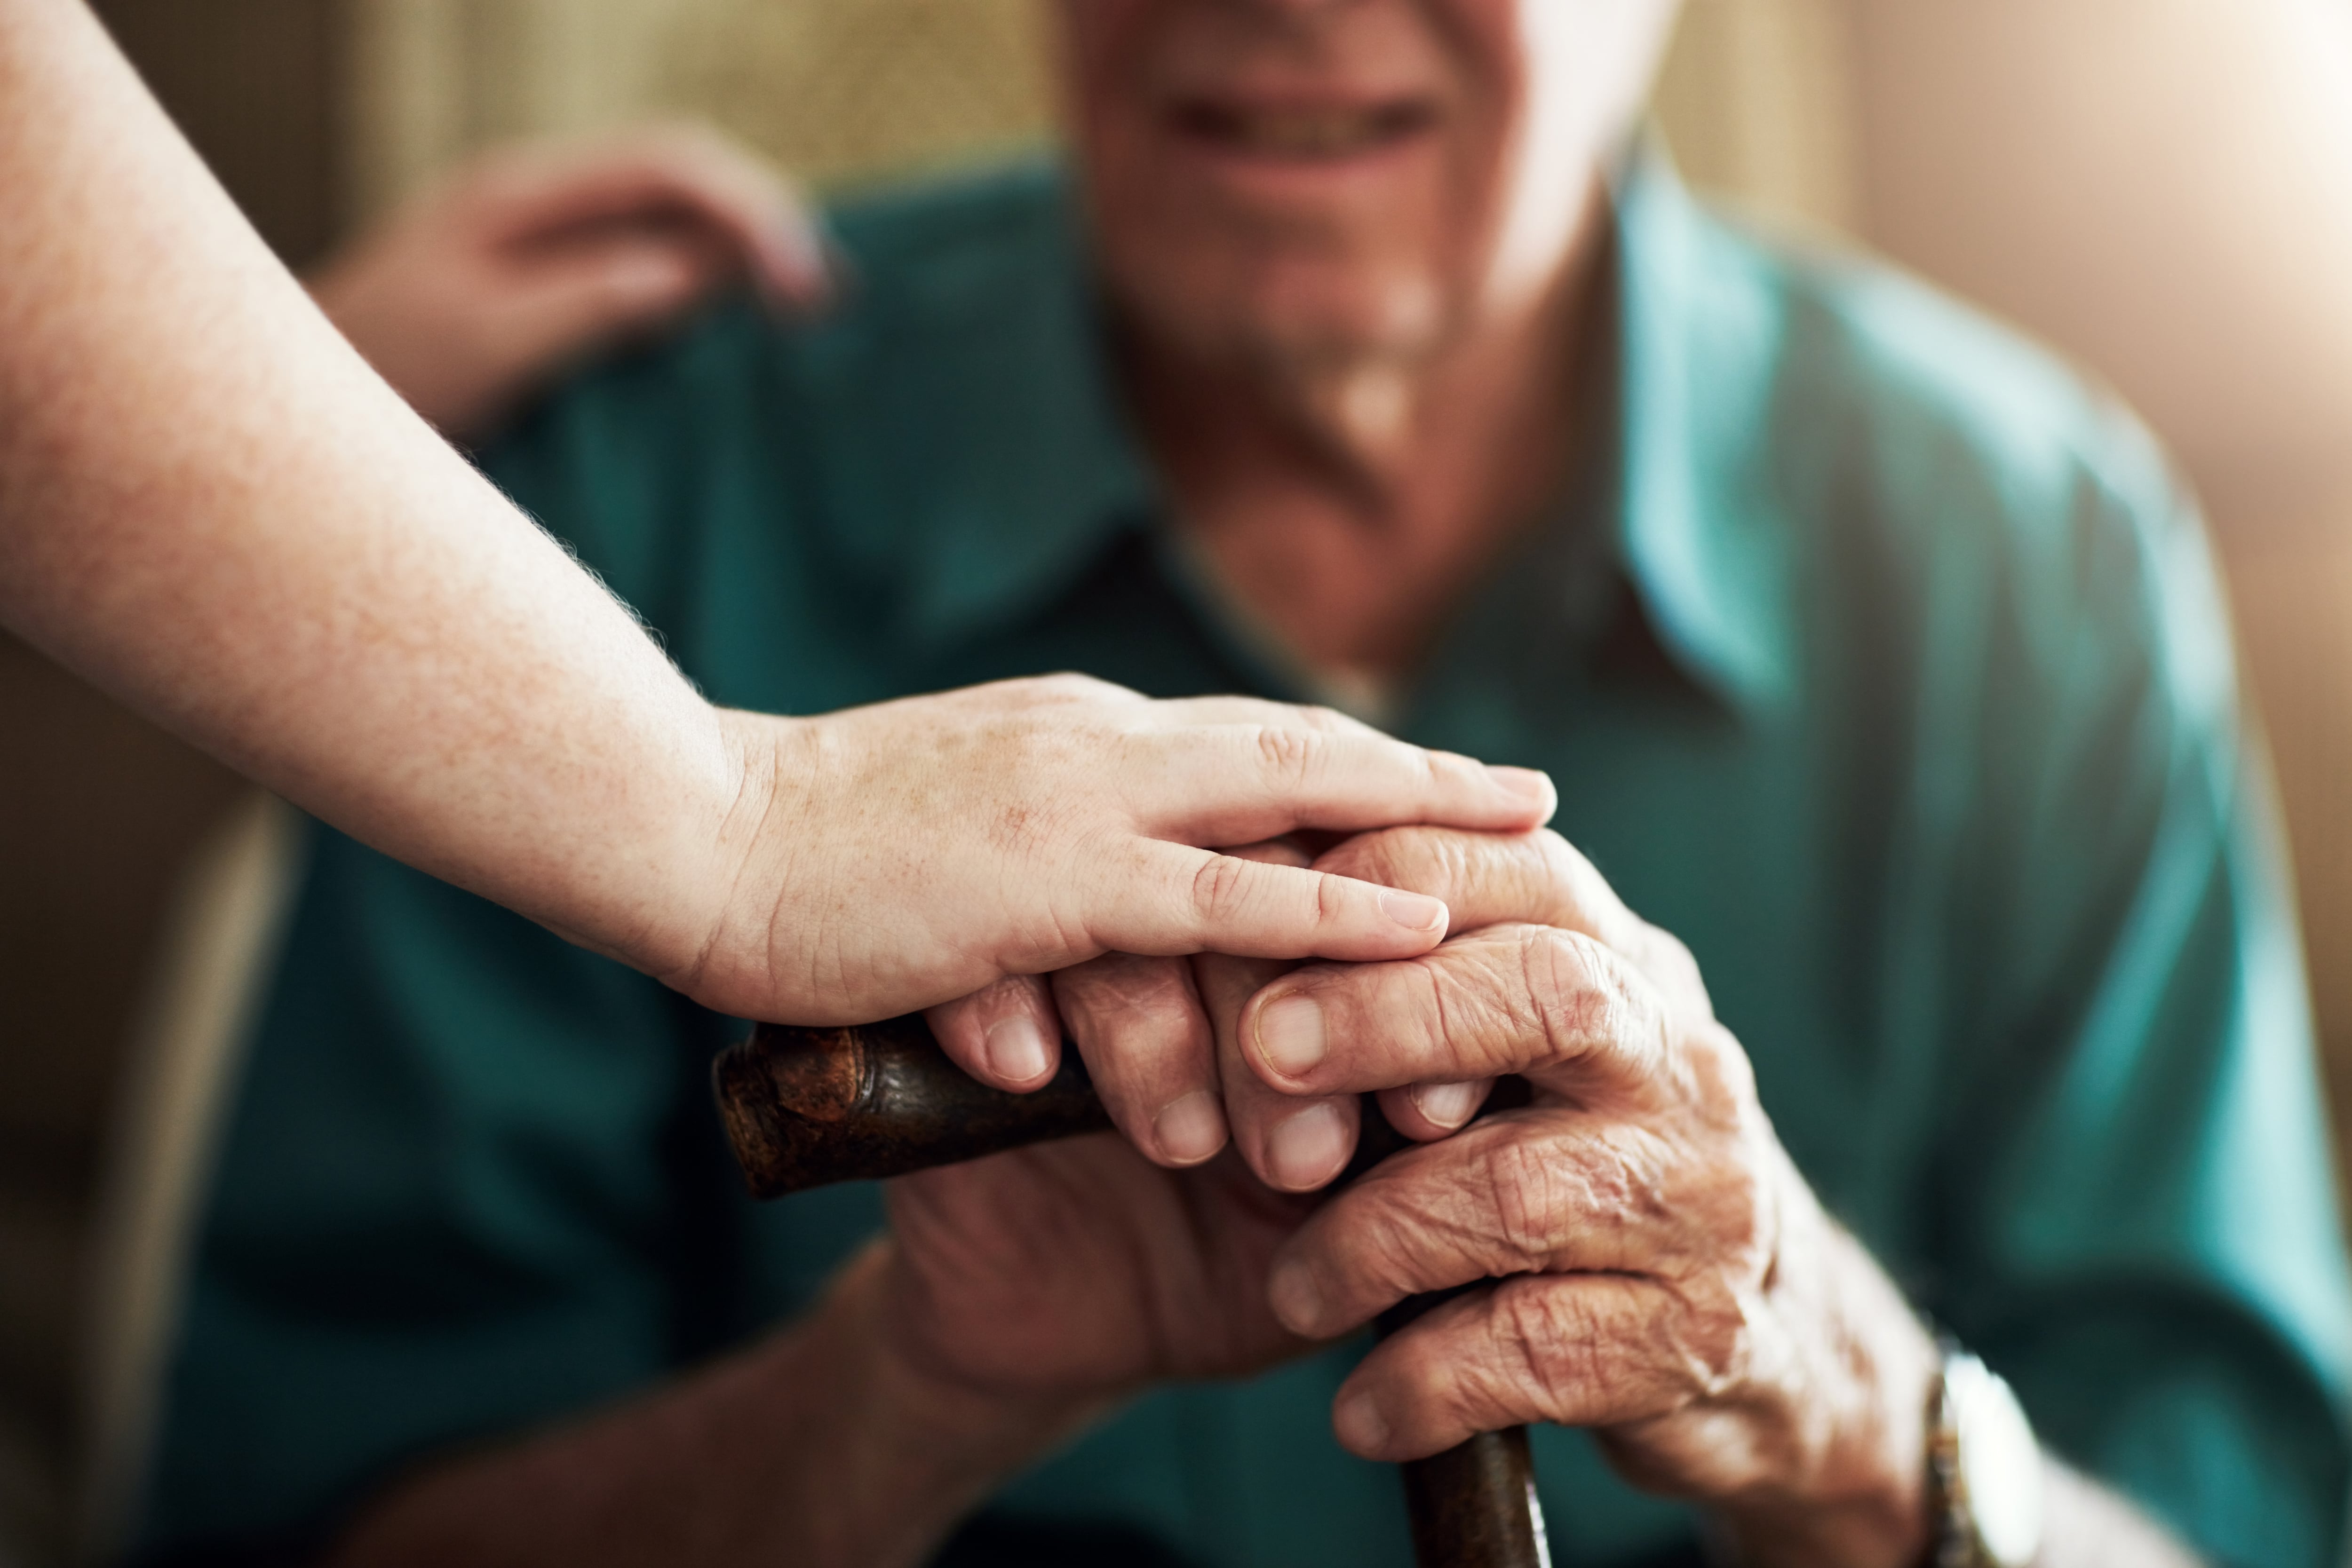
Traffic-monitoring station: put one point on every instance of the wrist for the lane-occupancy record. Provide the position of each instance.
(913, 1449)
(1855, 1494)
(724, 898)
(980, 1425)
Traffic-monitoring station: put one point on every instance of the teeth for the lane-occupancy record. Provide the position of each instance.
(1321, 132)
(1305, 133)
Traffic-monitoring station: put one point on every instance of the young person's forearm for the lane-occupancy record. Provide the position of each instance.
(209, 505)
(817, 1447)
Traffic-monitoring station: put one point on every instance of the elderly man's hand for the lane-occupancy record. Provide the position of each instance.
(1080, 1273)
(1666, 1277)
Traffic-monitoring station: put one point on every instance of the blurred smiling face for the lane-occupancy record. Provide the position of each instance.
(1301, 184)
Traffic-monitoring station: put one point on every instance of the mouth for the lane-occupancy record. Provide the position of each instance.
(1305, 132)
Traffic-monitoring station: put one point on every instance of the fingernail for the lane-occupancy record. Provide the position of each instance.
(1016, 1048)
(1530, 784)
(1296, 1298)
(1191, 1129)
(1290, 1035)
(1447, 1105)
(1413, 911)
(1359, 1424)
(1308, 1149)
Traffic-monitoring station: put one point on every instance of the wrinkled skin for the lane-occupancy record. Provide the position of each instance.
(1348, 364)
(1666, 1277)
(1081, 1270)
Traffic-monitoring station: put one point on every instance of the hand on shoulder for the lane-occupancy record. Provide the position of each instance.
(489, 284)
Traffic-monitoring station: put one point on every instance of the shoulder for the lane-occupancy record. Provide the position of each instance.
(1927, 453)
(1947, 394)
(961, 300)
(912, 259)
(925, 243)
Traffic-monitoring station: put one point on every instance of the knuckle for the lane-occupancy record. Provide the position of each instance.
(1556, 969)
(1711, 1343)
(1522, 1198)
(1518, 870)
(1568, 876)
(1387, 1250)
(1674, 967)
(1545, 1345)
(1391, 857)
(1435, 771)
(1574, 870)
(1125, 986)
(1221, 888)
(1587, 1002)
(1675, 1217)
(1470, 1009)
(1611, 1187)
(1330, 901)
(1720, 1076)
(1287, 755)
(1681, 963)
(1449, 772)
(1431, 997)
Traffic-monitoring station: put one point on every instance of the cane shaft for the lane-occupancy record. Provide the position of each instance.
(808, 1108)
(1474, 1505)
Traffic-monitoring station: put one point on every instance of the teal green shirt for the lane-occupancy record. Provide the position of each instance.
(1873, 657)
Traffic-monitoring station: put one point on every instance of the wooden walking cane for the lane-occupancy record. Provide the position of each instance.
(808, 1107)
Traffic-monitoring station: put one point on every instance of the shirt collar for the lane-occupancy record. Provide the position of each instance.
(1008, 521)
(1012, 449)
(1701, 330)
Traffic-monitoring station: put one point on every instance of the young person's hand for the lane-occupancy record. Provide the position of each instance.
(889, 858)
(487, 286)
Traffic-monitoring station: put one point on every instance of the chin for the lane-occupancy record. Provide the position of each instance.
(1289, 321)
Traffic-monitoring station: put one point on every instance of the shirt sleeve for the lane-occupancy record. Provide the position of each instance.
(2135, 1179)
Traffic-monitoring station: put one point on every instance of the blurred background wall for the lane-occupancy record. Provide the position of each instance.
(2161, 188)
